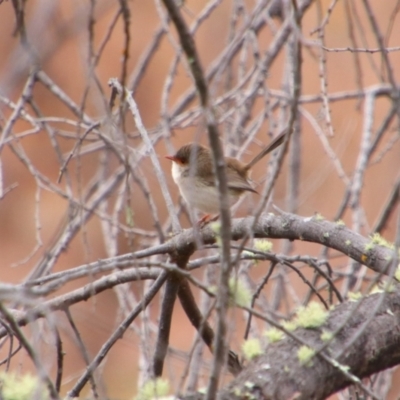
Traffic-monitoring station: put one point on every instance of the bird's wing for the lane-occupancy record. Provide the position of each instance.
(236, 181)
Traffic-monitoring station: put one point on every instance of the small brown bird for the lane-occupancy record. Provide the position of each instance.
(192, 171)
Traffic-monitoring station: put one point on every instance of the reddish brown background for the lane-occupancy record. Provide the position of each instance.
(321, 190)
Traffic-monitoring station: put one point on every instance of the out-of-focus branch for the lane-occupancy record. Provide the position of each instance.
(190, 51)
(388, 208)
(167, 308)
(116, 86)
(199, 321)
(117, 334)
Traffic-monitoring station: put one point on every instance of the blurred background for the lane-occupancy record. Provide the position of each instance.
(79, 46)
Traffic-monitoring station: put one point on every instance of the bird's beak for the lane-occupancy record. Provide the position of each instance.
(172, 158)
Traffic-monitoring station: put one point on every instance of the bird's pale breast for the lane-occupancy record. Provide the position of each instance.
(197, 195)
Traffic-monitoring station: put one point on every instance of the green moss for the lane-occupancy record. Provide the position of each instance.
(319, 217)
(326, 336)
(23, 387)
(389, 287)
(249, 385)
(153, 388)
(216, 228)
(344, 368)
(263, 245)
(369, 246)
(312, 316)
(274, 335)
(375, 289)
(305, 355)
(381, 241)
(289, 325)
(213, 289)
(397, 273)
(354, 296)
(251, 348)
(239, 293)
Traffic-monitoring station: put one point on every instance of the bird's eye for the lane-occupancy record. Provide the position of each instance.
(182, 160)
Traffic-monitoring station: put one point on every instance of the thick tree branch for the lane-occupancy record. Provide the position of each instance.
(277, 374)
(293, 227)
(285, 226)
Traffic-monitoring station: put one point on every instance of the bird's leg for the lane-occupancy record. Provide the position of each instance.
(206, 219)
